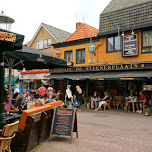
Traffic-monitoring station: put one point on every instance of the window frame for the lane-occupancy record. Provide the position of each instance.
(114, 50)
(81, 56)
(68, 52)
(142, 47)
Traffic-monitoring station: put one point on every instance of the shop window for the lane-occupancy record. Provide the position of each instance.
(113, 44)
(80, 56)
(42, 44)
(147, 41)
(68, 55)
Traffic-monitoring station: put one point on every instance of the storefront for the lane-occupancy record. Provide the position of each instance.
(33, 79)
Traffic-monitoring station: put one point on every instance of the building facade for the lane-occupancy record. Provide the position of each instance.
(119, 56)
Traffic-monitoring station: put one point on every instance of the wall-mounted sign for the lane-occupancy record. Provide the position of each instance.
(58, 52)
(92, 48)
(34, 76)
(130, 45)
(101, 68)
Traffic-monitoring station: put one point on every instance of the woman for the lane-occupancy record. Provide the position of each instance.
(16, 89)
(107, 97)
(142, 98)
(68, 96)
(78, 96)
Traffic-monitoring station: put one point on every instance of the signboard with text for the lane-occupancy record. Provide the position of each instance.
(64, 122)
(130, 45)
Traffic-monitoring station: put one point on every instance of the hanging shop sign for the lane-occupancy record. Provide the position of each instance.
(130, 45)
(58, 52)
(101, 68)
(92, 48)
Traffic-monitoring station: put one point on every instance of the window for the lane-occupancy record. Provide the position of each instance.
(80, 56)
(113, 44)
(146, 41)
(68, 56)
(42, 44)
(45, 43)
(37, 44)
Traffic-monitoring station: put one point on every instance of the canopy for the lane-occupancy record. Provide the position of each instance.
(30, 58)
(13, 80)
(10, 41)
(126, 75)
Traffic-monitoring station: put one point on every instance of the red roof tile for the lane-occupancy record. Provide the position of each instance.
(27, 43)
(84, 31)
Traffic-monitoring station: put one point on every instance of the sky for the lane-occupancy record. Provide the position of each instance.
(62, 14)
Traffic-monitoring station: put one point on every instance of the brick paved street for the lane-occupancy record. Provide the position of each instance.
(106, 131)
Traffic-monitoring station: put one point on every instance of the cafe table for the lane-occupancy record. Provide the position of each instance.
(11, 117)
(133, 104)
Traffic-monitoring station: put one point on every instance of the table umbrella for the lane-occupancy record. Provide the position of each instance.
(9, 41)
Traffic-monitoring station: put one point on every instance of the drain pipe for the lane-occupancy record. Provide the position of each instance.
(90, 61)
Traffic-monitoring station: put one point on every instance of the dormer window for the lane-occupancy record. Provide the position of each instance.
(42, 44)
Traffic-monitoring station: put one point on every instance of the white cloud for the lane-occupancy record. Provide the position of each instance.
(30, 14)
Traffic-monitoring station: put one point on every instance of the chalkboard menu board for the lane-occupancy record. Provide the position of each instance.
(64, 122)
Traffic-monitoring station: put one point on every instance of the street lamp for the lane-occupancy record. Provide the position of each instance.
(5, 23)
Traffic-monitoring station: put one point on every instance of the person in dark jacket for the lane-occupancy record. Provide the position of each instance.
(78, 96)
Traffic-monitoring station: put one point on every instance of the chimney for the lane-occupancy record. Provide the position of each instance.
(78, 24)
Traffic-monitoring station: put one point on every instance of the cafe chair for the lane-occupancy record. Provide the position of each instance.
(7, 134)
(107, 104)
(119, 101)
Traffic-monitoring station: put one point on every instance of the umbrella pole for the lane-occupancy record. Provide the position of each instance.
(10, 80)
(2, 121)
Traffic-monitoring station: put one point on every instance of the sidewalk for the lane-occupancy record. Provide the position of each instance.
(106, 131)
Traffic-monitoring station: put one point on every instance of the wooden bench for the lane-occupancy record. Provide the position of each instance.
(34, 127)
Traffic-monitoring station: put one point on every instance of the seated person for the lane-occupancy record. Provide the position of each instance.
(15, 96)
(130, 98)
(46, 98)
(52, 100)
(94, 100)
(107, 97)
(39, 102)
(8, 106)
(142, 98)
(28, 97)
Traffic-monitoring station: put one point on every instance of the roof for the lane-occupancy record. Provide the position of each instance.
(84, 31)
(115, 5)
(125, 14)
(27, 43)
(59, 34)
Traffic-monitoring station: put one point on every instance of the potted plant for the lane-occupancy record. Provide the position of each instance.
(148, 111)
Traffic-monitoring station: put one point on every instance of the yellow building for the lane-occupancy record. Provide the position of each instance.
(120, 54)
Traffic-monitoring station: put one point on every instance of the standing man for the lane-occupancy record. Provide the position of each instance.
(42, 91)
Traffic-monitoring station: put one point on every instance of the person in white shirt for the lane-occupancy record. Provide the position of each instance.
(16, 89)
(68, 96)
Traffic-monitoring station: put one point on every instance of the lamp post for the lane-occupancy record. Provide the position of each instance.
(5, 23)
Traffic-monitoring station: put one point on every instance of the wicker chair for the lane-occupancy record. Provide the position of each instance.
(107, 104)
(6, 136)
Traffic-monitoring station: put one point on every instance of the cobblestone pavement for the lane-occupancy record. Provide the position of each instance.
(106, 131)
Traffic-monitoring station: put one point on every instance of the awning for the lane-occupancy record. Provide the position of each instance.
(124, 75)
(13, 81)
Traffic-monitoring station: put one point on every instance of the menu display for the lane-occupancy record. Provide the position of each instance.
(147, 87)
(64, 122)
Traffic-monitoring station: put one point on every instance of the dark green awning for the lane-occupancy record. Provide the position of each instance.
(117, 75)
(13, 81)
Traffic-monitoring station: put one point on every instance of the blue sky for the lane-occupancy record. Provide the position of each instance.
(29, 14)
